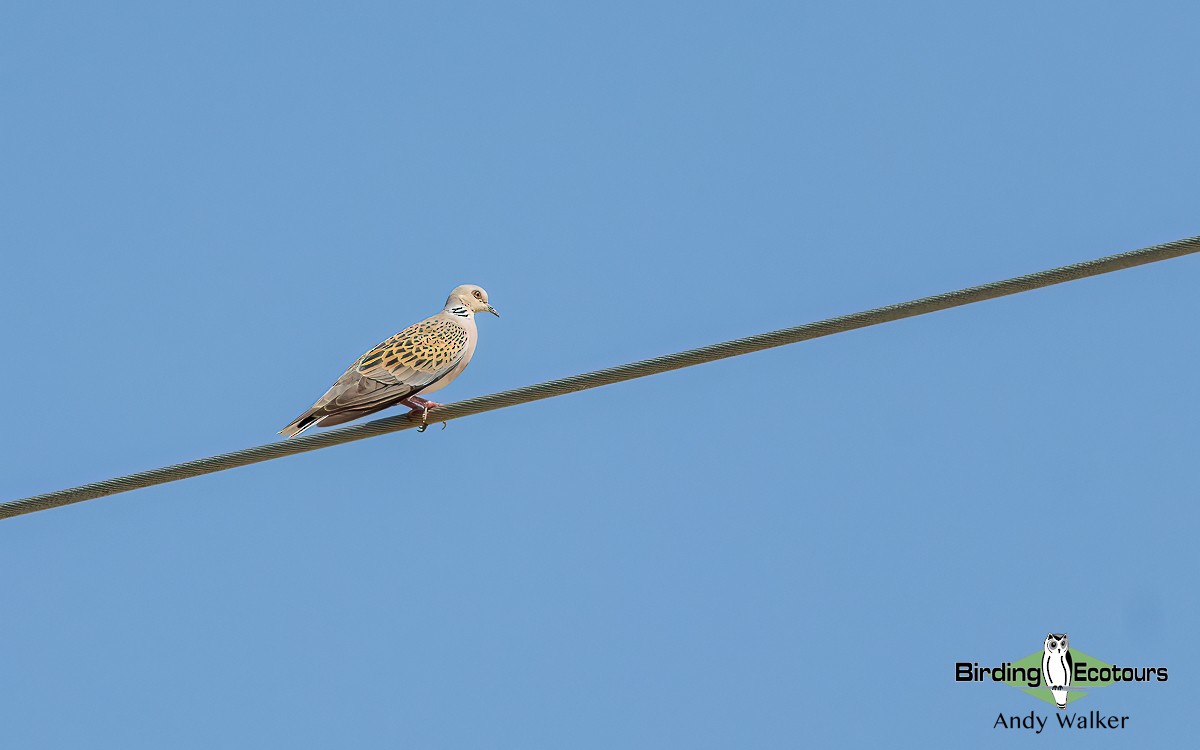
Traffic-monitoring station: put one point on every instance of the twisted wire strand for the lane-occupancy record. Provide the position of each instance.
(609, 376)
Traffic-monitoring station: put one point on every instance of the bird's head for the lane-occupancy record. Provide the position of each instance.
(474, 298)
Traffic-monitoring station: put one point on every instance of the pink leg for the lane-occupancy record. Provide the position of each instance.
(422, 405)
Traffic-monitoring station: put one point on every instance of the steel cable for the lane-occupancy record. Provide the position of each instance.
(599, 378)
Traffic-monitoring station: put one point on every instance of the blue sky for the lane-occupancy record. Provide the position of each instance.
(209, 211)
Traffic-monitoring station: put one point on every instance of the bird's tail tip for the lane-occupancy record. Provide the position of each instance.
(299, 425)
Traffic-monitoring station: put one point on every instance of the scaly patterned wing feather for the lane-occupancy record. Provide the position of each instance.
(418, 355)
(400, 367)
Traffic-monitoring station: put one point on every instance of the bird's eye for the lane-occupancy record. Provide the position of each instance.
(478, 294)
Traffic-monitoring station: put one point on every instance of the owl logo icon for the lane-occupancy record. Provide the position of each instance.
(1057, 667)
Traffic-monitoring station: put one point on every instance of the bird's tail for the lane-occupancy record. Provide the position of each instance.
(302, 423)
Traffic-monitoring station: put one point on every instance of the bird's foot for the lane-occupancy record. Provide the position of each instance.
(422, 405)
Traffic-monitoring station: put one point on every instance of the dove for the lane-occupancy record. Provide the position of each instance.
(422, 358)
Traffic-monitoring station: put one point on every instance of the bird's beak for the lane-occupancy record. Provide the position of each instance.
(492, 310)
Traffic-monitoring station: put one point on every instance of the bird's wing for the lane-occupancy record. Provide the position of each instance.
(418, 355)
(400, 367)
